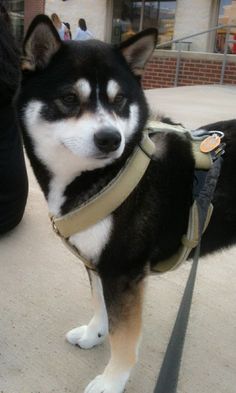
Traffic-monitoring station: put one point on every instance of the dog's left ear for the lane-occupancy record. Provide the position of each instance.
(41, 42)
(138, 49)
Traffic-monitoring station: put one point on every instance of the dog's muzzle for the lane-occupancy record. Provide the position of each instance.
(107, 140)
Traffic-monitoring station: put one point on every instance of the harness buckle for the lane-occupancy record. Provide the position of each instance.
(54, 227)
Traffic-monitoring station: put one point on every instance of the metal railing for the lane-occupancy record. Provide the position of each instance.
(183, 40)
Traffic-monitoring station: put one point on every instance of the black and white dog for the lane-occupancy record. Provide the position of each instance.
(82, 112)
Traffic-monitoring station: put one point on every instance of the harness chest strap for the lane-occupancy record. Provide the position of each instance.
(189, 241)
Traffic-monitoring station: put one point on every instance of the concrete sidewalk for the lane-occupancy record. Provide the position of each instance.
(44, 292)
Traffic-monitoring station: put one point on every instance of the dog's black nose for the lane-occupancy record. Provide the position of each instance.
(107, 140)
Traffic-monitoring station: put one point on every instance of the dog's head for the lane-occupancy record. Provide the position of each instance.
(81, 102)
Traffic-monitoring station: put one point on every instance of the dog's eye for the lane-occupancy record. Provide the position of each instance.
(120, 101)
(69, 99)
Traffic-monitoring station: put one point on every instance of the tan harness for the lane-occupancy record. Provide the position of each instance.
(115, 193)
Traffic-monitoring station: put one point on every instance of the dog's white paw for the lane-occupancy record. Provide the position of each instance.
(85, 336)
(102, 384)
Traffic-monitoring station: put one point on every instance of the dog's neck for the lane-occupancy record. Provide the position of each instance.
(67, 193)
(66, 190)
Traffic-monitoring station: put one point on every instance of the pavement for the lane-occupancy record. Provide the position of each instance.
(44, 292)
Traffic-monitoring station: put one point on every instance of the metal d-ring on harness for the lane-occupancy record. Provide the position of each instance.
(115, 193)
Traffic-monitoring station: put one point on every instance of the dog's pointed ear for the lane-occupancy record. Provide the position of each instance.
(41, 42)
(138, 49)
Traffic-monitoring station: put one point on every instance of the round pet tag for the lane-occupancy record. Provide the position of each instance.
(210, 143)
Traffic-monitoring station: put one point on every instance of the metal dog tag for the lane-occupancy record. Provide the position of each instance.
(210, 143)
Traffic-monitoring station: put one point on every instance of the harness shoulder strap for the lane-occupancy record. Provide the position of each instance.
(189, 241)
(203, 161)
(199, 218)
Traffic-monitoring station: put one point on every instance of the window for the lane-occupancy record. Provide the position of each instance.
(16, 12)
(129, 17)
(227, 16)
(160, 14)
(126, 19)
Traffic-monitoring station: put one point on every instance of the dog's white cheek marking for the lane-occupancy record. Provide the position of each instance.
(132, 122)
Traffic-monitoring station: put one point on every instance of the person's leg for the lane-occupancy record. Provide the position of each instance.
(13, 176)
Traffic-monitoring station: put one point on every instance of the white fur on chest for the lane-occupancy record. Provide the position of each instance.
(93, 240)
(90, 242)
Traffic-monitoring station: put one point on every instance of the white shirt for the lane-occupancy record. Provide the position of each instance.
(82, 35)
(61, 31)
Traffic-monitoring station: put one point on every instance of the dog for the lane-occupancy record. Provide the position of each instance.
(82, 113)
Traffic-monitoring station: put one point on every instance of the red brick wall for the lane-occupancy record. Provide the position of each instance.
(32, 8)
(160, 72)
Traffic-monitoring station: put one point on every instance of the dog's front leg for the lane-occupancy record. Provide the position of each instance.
(94, 333)
(124, 305)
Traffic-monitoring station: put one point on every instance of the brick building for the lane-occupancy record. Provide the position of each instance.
(32, 8)
(112, 20)
(196, 68)
(22, 12)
